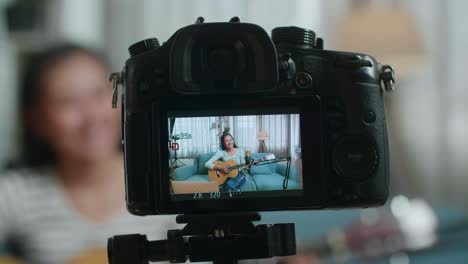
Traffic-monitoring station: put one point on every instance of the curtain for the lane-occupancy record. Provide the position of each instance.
(244, 131)
(202, 138)
(283, 134)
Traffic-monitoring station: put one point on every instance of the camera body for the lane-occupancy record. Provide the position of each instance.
(332, 103)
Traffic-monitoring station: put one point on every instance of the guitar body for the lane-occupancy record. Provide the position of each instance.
(219, 175)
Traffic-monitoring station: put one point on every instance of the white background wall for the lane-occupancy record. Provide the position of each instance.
(457, 78)
(136, 20)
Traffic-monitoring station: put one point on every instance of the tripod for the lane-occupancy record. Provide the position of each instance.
(221, 238)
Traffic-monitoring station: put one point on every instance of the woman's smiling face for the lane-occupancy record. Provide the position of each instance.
(228, 142)
(73, 113)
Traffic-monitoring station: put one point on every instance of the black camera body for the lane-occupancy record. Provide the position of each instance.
(236, 69)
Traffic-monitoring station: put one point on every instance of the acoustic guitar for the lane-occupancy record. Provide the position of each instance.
(220, 176)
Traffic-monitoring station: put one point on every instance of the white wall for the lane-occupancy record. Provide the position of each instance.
(79, 21)
(428, 121)
(432, 106)
(138, 20)
(457, 53)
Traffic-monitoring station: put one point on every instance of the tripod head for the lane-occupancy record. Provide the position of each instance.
(221, 238)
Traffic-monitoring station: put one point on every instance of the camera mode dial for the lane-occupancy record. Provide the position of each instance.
(143, 46)
(293, 35)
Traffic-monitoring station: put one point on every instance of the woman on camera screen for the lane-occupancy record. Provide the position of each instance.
(230, 152)
(68, 196)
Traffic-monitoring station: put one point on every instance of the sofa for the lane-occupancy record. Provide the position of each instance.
(263, 177)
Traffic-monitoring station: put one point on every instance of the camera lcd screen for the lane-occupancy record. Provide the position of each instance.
(220, 157)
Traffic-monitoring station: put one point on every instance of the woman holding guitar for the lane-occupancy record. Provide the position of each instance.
(230, 154)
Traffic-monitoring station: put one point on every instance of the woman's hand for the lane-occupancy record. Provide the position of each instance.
(226, 169)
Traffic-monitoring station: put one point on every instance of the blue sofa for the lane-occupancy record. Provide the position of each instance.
(264, 177)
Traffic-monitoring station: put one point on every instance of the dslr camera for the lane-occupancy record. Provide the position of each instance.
(308, 124)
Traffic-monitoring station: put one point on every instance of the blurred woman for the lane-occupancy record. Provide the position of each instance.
(69, 197)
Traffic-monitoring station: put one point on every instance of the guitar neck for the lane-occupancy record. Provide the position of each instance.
(259, 162)
(235, 167)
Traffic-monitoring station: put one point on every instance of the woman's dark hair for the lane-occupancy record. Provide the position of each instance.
(35, 152)
(221, 140)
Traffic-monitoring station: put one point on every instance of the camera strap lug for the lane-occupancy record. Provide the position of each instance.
(116, 79)
(200, 20)
(388, 78)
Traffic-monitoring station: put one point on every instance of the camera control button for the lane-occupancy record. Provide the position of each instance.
(354, 158)
(143, 46)
(303, 80)
(369, 117)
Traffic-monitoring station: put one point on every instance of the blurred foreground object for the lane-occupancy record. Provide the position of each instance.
(24, 16)
(407, 226)
(93, 256)
(8, 106)
(10, 260)
(390, 34)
